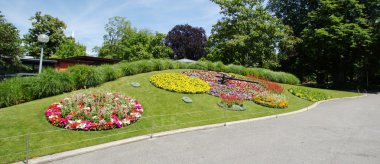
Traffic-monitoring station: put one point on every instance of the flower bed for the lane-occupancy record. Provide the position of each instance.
(271, 100)
(177, 82)
(308, 94)
(99, 111)
(244, 90)
(270, 86)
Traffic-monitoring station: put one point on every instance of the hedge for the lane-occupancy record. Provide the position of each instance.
(23, 89)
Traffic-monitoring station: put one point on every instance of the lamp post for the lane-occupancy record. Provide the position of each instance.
(43, 38)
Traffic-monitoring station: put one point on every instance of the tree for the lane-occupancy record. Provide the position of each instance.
(158, 48)
(44, 24)
(247, 34)
(117, 28)
(127, 43)
(187, 41)
(10, 49)
(294, 14)
(336, 38)
(69, 48)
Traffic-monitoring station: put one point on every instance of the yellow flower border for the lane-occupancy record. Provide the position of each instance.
(177, 82)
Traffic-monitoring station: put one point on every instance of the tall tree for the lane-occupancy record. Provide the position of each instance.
(44, 24)
(336, 37)
(124, 42)
(247, 34)
(117, 28)
(187, 41)
(70, 48)
(294, 14)
(10, 49)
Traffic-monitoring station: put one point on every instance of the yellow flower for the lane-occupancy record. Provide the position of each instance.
(179, 83)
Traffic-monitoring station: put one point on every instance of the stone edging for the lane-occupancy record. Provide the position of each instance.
(67, 154)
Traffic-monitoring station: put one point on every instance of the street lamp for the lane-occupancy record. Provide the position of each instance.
(43, 38)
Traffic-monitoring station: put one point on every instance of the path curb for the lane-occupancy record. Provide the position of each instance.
(71, 153)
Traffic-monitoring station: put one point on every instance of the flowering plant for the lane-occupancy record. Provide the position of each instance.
(269, 85)
(230, 100)
(271, 100)
(98, 111)
(244, 90)
(308, 94)
(177, 82)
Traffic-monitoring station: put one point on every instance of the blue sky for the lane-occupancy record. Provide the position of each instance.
(86, 18)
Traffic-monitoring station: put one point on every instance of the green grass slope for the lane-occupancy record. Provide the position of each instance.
(163, 110)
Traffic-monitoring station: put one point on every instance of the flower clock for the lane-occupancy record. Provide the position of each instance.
(97, 111)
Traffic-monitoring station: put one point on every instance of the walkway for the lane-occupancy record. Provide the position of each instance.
(340, 131)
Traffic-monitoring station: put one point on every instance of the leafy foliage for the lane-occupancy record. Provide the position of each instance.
(10, 49)
(125, 42)
(69, 48)
(307, 94)
(44, 24)
(248, 35)
(187, 42)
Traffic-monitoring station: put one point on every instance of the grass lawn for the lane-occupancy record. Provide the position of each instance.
(163, 109)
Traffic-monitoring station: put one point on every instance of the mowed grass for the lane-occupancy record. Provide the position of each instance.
(163, 110)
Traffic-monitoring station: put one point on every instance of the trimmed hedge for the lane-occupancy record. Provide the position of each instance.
(22, 89)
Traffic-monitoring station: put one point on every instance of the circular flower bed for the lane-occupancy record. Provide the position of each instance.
(99, 111)
(271, 100)
(179, 83)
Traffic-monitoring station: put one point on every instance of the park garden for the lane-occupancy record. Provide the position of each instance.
(256, 62)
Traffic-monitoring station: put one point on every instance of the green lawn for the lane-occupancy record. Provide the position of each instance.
(162, 109)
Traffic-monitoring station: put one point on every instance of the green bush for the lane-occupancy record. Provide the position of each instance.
(85, 76)
(110, 72)
(219, 67)
(48, 83)
(308, 94)
(231, 68)
(11, 91)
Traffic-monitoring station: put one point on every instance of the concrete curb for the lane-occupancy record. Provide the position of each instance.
(67, 154)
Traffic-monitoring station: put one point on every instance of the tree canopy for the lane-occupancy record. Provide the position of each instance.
(187, 42)
(122, 41)
(10, 49)
(70, 48)
(337, 38)
(247, 34)
(44, 24)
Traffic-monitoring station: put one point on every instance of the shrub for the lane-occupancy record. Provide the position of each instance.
(49, 83)
(85, 76)
(110, 72)
(219, 67)
(308, 94)
(231, 68)
(12, 92)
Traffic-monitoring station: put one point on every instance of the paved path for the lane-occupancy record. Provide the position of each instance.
(341, 131)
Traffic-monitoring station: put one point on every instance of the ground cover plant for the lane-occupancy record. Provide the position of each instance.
(163, 110)
(308, 94)
(96, 111)
(177, 82)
